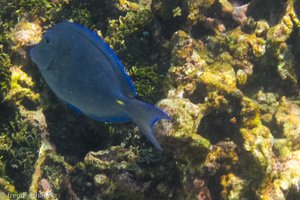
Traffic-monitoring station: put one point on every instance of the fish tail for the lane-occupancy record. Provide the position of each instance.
(145, 116)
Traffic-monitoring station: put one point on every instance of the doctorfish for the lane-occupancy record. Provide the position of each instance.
(85, 73)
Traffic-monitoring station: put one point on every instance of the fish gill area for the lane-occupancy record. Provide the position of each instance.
(226, 71)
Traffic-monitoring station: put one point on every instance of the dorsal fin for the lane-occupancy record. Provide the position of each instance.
(111, 56)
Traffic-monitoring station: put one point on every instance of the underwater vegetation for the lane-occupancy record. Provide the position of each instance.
(226, 71)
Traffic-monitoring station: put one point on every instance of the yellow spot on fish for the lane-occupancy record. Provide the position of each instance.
(120, 102)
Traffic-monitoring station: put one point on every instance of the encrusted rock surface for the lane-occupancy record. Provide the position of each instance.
(226, 71)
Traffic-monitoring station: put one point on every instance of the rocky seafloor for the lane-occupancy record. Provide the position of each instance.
(226, 71)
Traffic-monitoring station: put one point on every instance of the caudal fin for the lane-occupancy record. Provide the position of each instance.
(145, 116)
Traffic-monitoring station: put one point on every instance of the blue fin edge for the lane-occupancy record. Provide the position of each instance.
(162, 115)
(73, 108)
(110, 51)
(148, 131)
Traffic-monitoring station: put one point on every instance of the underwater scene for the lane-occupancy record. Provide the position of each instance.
(149, 99)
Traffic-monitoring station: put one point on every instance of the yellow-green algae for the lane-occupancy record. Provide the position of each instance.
(227, 71)
(243, 52)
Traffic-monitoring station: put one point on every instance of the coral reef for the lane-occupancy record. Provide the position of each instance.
(224, 70)
(124, 173)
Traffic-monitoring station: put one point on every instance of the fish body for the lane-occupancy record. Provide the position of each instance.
(84, 72)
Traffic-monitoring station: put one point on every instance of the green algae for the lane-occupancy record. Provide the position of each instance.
(21, 88)
(132, 39)
(19, 143)
(4, 75)
(118, 172)
(5, 64)
(243, 57)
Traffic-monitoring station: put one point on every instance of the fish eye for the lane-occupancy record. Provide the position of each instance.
(47, 40)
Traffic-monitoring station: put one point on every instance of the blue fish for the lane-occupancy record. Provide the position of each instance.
(84, 72)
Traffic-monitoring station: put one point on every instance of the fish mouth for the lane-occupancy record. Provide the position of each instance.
(33, 56)
(31, 53)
